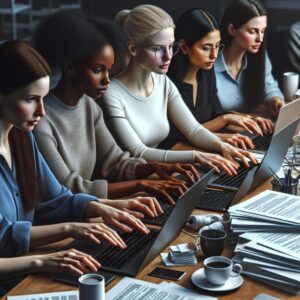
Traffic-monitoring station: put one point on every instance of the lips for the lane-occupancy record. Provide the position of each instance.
(33, 123)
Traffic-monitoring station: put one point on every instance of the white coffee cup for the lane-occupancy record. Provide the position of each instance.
(218, 269)
(91, 287)
(290, 85)
(296, 95)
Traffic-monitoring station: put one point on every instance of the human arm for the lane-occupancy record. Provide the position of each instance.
(72, 261)
(273, 96)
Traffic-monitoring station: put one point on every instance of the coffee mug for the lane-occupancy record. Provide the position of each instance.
(212, 241)
(91, 287)
(296, 95)
(218, 269)
(290, 85)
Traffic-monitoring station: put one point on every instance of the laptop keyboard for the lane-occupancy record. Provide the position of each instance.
(233, 182)
(215, 200)
(160, 219)
(113, 257)
(262, 143)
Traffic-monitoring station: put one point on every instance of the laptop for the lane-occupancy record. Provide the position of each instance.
(273, 158)
(287, 114)
(221, 200)
(141, 249)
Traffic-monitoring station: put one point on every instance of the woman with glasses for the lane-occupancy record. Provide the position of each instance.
(243, 71)
(141, 98)
(192, 72)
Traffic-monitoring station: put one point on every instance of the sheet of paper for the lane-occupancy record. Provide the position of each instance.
(129, 288)
(70, 295)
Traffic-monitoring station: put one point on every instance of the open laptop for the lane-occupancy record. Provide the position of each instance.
(273, 158)
(221, 200)
(141, 249)
(287, 114)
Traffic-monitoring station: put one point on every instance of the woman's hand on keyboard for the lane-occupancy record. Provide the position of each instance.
(72, 261)
(166, 170)
(216, 162)
(119, 219)
(233, 153)
(135, 206)
(236, 140)
(94, 232)
(266, 125)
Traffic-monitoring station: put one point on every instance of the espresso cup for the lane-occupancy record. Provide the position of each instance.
(91, 287)
(218, 269)
(290, 85)
(212, 241)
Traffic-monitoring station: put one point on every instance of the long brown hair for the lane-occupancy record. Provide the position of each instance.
(20, 64)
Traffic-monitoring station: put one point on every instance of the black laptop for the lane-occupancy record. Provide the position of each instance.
(273, 158)
(141, 249)
(221, 200)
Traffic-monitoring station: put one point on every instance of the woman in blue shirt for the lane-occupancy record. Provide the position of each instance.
(243, 71)
(29, 191)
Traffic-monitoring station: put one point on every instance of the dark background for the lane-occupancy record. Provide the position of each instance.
(281, 14)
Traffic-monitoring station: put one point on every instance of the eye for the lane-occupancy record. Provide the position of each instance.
(97, 70)
(205, 48)
(29, 99)
(252, 31)
(156, 49)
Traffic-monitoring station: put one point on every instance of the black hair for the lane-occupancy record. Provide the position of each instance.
(20, 65)
(116, 38)
(191, 27)
(67, 37)
(238, 13)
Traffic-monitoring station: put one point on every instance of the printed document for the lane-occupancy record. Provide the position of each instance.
(71, 295)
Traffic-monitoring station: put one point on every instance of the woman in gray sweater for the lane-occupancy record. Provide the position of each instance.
(73, 136)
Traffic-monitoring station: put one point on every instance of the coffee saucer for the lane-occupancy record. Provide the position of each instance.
(199, 280)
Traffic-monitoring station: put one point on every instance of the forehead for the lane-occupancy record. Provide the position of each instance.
(39, 87)
(103, 56)
(163, 37)
(212, 37)
(256, 22)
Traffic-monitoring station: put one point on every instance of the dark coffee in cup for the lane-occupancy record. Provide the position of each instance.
(212, 242)
(218, 264)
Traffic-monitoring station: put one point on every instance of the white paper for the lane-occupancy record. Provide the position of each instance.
(129, 289)
(70, 295)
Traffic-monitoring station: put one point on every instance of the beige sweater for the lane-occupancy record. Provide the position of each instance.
(79, 149)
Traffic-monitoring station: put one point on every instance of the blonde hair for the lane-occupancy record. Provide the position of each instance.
(143, 21)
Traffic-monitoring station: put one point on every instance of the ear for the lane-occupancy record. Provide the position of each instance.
(230, 29)
(183, 46)
(69, 69)
(131, 48)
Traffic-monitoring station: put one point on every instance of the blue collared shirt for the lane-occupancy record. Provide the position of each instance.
(57, 204)
(229, 89)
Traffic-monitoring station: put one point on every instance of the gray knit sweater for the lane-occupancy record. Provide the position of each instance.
(79, 148)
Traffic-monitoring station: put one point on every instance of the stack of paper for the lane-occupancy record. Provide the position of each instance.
(129, 289)
(268, 247)
(180, 255)
(268, 211)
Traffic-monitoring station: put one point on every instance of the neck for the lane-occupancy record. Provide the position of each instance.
(191, 75)
(66, 92)
(136, 78)
(5, 128)
(233, 55)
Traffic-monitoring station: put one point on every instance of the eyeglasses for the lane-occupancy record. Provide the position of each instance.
(207, 49)
(161, 51)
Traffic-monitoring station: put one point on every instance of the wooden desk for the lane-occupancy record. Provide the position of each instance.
(43, 283)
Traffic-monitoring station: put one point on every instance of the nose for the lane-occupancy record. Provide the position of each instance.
(168, 54)
(213, 53)
(40, 111)
(105, 79)
(260, 37)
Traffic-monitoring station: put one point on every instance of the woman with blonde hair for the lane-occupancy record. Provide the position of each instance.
(141, 98)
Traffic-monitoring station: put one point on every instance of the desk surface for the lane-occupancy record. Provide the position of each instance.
(44, 283)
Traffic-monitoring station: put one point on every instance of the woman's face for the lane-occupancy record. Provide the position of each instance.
(91, 77)
(24, 107)
(203, 53)
(156, 55)
(250, 36)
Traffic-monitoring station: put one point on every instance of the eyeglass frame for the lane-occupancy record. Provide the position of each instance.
(207, 52)
(165, 49)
